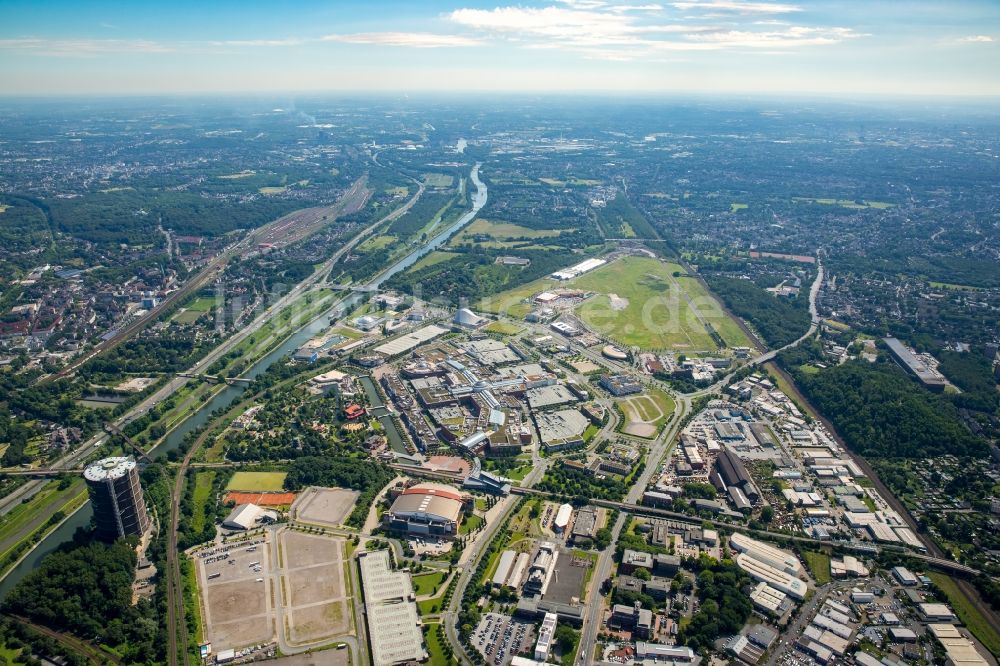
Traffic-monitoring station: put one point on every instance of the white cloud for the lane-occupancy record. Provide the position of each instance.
(82, 47)
(737, 6)
(976, 39)
(420, 40)
(259, 42)
(599, 31)
(794, 36)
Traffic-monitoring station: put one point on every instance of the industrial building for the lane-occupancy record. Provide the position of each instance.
(658, 653)
(904, 576)
(119, 507)
(510, 569)
(585, 525)
(393, 622)
(578, 269)
(769, 599)
(766, 553)
(426, 508)
(906, 358)
(733, 473)
(546, 635)
(776, 578)
(960, 650)
(619, 385)
(541, 569)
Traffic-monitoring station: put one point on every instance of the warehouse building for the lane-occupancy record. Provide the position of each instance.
(426, 508)
(393, 622)
(960, 650)
(776, 578)
(658, 653)
(766, 553)
(906, 358)
(769, 599)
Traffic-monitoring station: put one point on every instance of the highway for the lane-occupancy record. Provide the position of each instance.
(73, 458)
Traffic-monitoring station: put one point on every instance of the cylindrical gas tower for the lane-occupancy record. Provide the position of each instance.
(119, 509)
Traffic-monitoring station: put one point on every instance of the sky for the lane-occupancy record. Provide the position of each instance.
(804, 47)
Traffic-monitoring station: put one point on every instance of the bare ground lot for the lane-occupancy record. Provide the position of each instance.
(243, 632)
(314, 588)
(324, 658)
(316, 584)
(314, 623)
(301, 593)
(324, 506)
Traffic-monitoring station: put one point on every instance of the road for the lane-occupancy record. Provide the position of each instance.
(602, 570)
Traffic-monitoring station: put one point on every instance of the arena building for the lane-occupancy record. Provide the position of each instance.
(426, 508)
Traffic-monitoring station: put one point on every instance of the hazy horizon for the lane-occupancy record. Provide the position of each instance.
(728, 47)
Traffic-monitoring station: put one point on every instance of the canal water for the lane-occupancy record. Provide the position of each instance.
(82, 517)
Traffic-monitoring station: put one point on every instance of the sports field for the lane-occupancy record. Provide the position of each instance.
(639, 303)
(438, 180)
(257, 481)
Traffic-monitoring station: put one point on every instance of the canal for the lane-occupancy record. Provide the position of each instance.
(81, 518)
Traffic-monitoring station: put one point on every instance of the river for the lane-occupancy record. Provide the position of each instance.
(224, 398)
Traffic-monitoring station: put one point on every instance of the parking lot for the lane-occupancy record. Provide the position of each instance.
(293, 587)
(234, 580)
(566, 585)
(500, 637)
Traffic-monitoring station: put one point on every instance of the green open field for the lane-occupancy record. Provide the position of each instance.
(202, 304)
(470, 524)
(967, 613)
(438, 180)
(819, 566)
(500, 234)
(273, 190)
(435, 648)
(425, 583)
(736, 207)
(511, 302)
(188, 316)
(503, 328)
(376, 243)
(10, 657)
(202, 490)
(257, 481)
(956, 287)
(435, 257)
(846, 203)
(662, 312)
(579, 182)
